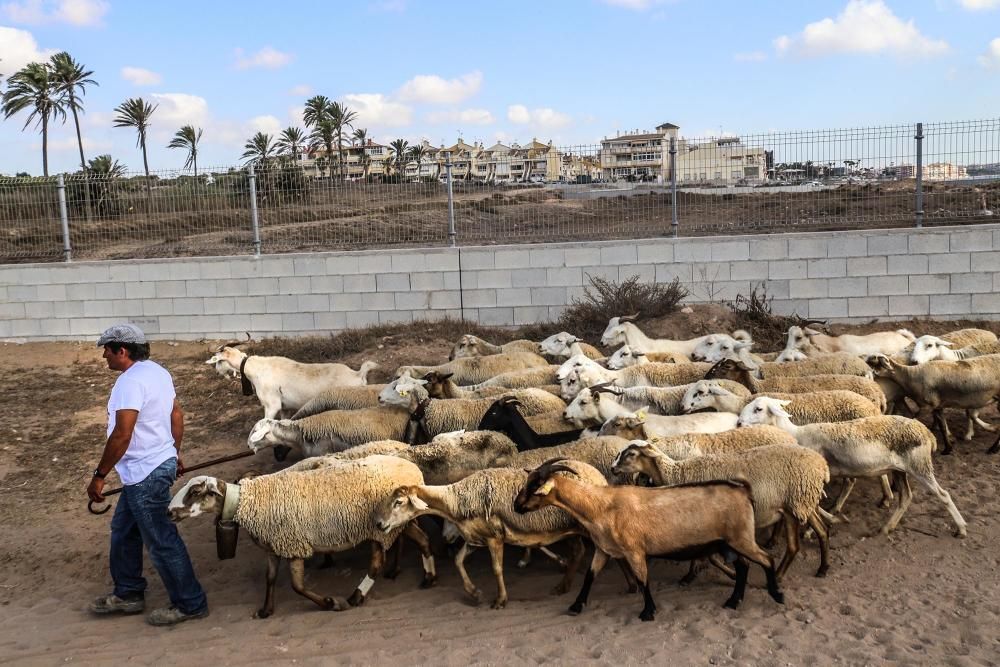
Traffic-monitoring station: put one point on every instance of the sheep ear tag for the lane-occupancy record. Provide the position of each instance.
(641, 415)
(403, 392)
(544, 489)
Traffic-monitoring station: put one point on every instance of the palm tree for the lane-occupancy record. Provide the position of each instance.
(324, 134)
(317, 108)
(70, 77)
(259, 149)
(399, 148)
(342, 117)
(187, 138)
(418, 153)
(360, 135)
(136, 112)
(34, 88)
(103, 165)
(291, 141)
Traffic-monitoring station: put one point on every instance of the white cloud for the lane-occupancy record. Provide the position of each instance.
(140, 76)
(266, 124)
(542, 118)
(268, 58)
(91, 146)
(176, 109)
(302, 90)
(991, 59)
(376, 109)
(432, 89)
(466, 116)
(750, 57)
(979, 5)
(18, 48)
(295, 116)
(74, 12)
(865, 26)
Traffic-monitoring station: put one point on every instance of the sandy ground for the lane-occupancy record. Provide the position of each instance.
(920, 596)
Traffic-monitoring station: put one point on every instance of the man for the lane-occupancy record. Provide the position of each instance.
(145, 428)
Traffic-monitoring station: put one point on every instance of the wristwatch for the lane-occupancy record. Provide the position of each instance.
(99, 474)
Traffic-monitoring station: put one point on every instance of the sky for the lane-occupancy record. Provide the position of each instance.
(569, 71)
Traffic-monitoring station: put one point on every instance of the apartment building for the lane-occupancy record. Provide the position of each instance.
(644, 156)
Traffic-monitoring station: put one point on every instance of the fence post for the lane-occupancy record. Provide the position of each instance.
(253, 212)
(673, 186)
(64, 218)
(920, 175)
(451, 200)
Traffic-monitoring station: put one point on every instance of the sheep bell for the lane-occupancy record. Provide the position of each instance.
(226, 534)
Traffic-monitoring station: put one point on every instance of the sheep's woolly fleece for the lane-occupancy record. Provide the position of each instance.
(667, 400)
(780, 478)
(837, 405)
(699, 444)
(355, 427)
(800, 385)
(599, 452)
(838, 363)
(290, 513)
(660, 375)
(470, 370)
(534, 377)
(899, 435)
(341, 398)
(490, 494)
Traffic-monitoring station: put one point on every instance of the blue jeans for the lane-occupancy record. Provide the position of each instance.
(141, 518)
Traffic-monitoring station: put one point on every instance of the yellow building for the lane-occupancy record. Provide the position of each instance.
(644, 156)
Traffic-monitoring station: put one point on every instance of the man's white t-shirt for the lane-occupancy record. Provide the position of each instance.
(147, 387)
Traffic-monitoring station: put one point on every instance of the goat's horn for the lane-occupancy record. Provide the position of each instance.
(628, 318)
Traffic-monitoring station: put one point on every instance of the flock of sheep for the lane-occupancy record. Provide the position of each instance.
(681, 449)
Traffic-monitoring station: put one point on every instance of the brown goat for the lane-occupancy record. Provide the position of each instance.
(679, 523)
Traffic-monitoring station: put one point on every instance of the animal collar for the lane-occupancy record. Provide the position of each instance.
(248, 389)
(231, 501)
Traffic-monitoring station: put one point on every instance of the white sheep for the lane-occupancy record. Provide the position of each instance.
(786, 484)
(293, 515)
(645, 375)
(971, 385)
(592, 408)
(532, 377)
(474, 346)
(565, 344)
(626, 356)
(283, 384)
(714, 347)
(930, 348)
(481, 506)
(331, 431)
(621, 331)
(869, 447)
(738, 371)
(666, 400)
(806, 339)
(341, 398)
(685, 446)
(471, 370)
(806, 408)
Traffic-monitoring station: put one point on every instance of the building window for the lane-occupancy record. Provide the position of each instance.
(718, 175)
(735, 175)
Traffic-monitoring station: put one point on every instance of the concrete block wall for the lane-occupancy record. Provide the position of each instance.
(889, 274)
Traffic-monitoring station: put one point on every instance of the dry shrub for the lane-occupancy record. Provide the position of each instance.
(753, 313)
(604, 299)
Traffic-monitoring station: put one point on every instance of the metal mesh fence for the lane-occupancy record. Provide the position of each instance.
(631, 185)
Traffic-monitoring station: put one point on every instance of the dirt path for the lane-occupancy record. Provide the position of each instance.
(920, 596)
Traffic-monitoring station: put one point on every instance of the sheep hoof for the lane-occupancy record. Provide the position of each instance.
(334, 604)
(559, 589)
(357, 599)
(731, 603)
(428, 581)
(475, 595)
(262, 613)
(575, 608)
(686, 580)
(498, 604)
(821, 572)
(961, 533)
(885, 503)
(647, 615)
(995, 448)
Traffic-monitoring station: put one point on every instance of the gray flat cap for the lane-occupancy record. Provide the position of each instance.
(121, 333)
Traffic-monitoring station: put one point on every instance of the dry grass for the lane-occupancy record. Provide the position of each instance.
(753, 313)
